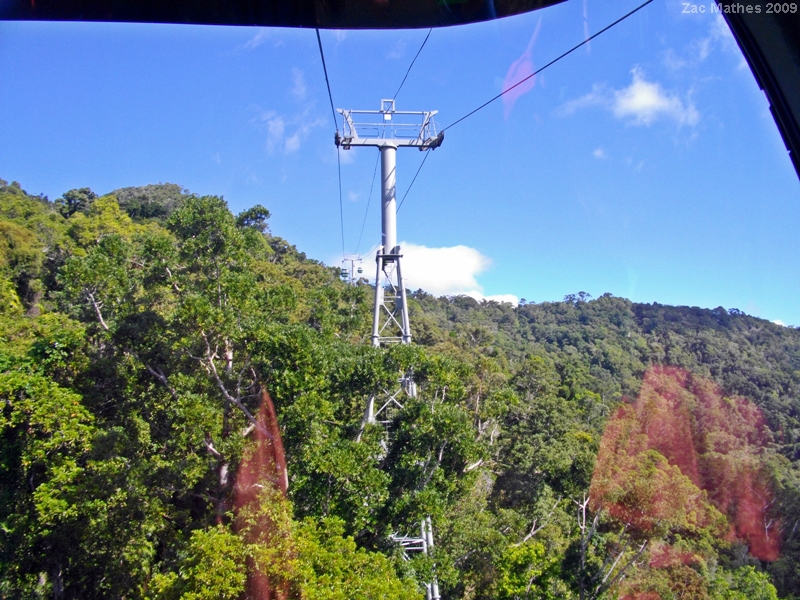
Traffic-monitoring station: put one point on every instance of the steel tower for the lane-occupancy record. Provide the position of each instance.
(389, 129)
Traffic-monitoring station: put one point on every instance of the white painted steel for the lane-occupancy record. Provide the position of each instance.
(376, 309)
(388, 198)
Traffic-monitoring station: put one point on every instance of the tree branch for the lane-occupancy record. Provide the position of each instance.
(436, 466)
(210, 447)
(601, 588)
(172, 281)
(159, 374)
(622, 538)
(237, 402)
(155, 372)
(97, 306)
(474, 465)
(534, 530)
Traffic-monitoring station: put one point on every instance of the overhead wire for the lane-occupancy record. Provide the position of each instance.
(369, 198)
(336, 125)
(521, 81)
(366, 212)
(552, 62)
(341, 207)
(327, 81)
(399, 206)
(456, 122)
(425, 41)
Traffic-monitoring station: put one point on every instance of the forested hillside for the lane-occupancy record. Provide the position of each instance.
(182, 394)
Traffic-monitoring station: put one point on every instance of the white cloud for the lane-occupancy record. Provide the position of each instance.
(398, 50)
(298, 84)
(721, 32)
(694, 53)
(699, 49)
(600, 153)
(645, 102)
(673, 61)
(448, 271)
(340, 35)
(277, 127)
(305, 128)
(641, 103)
(347, 156)
(779, 322)
(599, 96)
(353, 196)
(292, 143)
(261, 36)
(509, 298)
(445, 271)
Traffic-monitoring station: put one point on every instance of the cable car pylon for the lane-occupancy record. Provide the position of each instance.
(389, 129)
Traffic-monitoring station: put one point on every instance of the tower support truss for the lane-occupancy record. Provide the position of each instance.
(390, 322)
(424, 544)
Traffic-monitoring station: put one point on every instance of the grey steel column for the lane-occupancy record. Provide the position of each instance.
(376, 311)
(388, 201)
(406, 334)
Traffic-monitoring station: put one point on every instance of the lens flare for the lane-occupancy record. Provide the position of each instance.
(262, 477)
(519, 70)
(684, 456)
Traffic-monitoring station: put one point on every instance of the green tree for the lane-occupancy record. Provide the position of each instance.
(77, 200)
(154, 201)
(255, 217)
(528, 570)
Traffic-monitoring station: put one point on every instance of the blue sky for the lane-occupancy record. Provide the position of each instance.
(646, 165)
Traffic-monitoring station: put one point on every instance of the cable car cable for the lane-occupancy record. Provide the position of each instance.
(336, 125)
(412, 63)
(552, 62)
(399, 206)
(425, 41)
(521, 81)
(341, 208)
(327, 82)
(369, 198)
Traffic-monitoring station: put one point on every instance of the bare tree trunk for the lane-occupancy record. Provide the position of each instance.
(591, 589)
(58, 582)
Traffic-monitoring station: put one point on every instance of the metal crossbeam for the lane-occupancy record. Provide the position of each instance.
(389, 126)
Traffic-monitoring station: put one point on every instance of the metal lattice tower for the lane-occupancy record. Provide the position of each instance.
(424, 544)
(389, 129)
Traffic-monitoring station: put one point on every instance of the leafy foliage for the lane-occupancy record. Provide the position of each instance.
(154, 201)
(139, 328)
